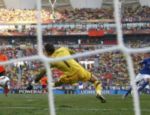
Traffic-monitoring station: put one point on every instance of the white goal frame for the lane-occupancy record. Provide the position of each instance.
(126, 51)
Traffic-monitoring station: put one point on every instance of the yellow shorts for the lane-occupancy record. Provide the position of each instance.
(80, 75)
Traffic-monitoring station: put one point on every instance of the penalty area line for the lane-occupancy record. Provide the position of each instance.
(97, 109)
(23, 107)
(73, 109)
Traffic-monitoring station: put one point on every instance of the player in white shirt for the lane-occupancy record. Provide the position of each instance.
(5, 83)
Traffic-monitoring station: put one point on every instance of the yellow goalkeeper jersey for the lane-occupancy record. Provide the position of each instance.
(68, 66)
(72, 70)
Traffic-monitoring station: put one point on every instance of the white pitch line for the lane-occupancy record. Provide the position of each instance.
(20, 107)
(96, 109)
(74, 109)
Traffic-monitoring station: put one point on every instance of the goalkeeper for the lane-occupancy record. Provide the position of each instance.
(73, 71)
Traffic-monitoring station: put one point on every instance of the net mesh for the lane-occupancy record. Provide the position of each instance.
(120, 46)
(52, 4)
(127, 52)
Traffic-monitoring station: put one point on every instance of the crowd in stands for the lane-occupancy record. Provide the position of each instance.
(111, 68)
(132, 14)
(74, 21)
(69, 15)
(21, 16)
(20, 68)
(17, 16)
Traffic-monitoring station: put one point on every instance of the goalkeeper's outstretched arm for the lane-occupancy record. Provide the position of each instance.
(40, 75)
(72, 51)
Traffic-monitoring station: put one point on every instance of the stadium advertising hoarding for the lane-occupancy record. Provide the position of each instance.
(60, 91)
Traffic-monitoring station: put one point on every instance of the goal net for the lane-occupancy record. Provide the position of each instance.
(120, 46)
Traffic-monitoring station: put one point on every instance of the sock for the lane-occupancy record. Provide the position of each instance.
(143, 85)
(128, 92)
(98, 87)
(6, 90)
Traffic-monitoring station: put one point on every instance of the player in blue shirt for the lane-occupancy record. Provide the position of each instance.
(142, 79)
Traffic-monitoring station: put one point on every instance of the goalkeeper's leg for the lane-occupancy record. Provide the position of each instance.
(98, 88)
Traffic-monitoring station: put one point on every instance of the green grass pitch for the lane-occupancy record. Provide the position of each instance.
(37, 104)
